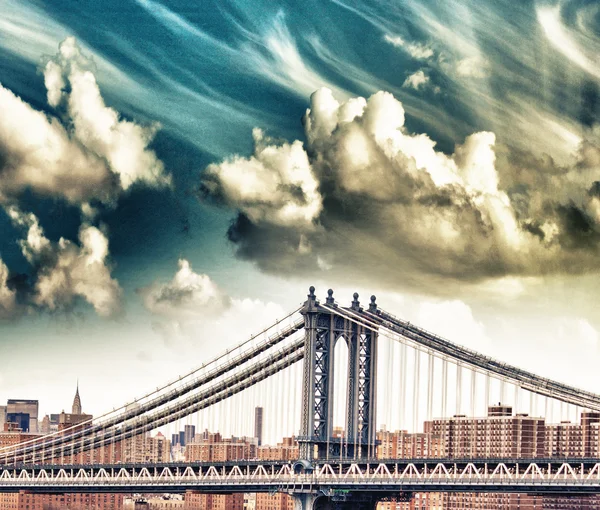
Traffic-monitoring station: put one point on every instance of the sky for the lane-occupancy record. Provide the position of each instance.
(175, 175)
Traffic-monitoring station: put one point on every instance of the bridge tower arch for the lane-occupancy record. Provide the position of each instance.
(323, 328)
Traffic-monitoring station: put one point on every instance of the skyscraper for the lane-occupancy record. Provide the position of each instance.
(258, 424)
(17, 408)
(76, 417)
(189, 432)
(76, 409)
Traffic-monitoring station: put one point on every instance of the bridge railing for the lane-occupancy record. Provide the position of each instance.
(434, 477)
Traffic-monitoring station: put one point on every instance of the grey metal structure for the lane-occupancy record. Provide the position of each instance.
(348, 484)
(322, 330)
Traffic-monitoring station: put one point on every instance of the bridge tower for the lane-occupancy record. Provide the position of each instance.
(323, 328)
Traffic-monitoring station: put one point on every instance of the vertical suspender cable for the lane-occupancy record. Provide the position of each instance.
(390, 389)
(444, 386)
(416, 385)
(403, 381)
(487, 393)
(458, 388)
(430, 381)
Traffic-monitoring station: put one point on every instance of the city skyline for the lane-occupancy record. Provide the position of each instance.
(495, 412)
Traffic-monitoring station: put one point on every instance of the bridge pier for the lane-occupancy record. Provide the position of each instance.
(345, 501)
(304, 501)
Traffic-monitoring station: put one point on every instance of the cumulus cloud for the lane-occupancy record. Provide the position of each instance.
(416, 80)
(66, 270)
(187, 296)
(8, 300)
(192, 304)
(86, 153)
(415, 50)
(276, 185)
(392, 205)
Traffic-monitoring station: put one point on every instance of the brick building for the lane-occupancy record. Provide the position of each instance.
(201, 501)
(500, 434)
(277, 501)
(286, 450)
(25, 501)
(145, 448)
(403, 445)
(212, 447)
(73, 501)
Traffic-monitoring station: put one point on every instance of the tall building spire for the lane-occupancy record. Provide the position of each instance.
(76, 401)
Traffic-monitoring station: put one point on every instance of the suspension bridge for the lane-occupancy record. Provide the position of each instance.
(323, 365)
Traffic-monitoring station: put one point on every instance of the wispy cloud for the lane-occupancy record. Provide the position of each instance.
(581, 49)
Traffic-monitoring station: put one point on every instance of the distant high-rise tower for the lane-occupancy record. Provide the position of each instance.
(189, 432)
(76, 402)
(24, 412)
(258, 424)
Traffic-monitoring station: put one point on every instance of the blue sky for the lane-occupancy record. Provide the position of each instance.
(161, 179)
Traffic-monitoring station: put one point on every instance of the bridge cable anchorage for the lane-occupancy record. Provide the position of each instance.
(91, 427)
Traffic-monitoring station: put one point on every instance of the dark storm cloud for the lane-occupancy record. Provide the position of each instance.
(394, 207)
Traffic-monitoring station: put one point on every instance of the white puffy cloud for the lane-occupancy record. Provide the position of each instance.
(66, 270)
(187, 296)
(99, 128)
(417, 80)
(8, 302)
(192, 306)
(88, 153)
(85, 153)
(415, 50)
(387, 204)
(276, 185)
(37, 152)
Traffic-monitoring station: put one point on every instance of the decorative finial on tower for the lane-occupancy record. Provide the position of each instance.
(356, 303)
(311, 304)
(373, 305)
(330, 300)
(76, 409)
